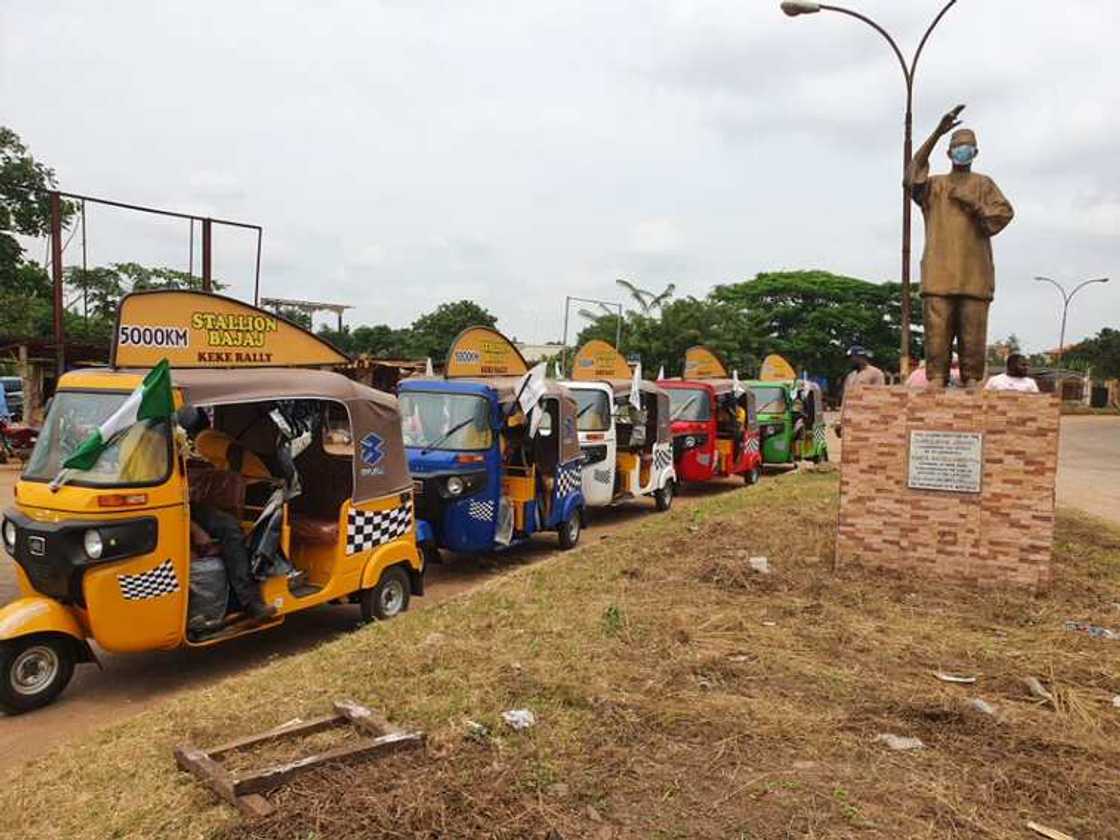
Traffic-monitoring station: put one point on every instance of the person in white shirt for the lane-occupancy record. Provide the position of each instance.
(1015, 379)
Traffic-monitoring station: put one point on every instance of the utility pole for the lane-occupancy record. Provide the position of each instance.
(56, 277)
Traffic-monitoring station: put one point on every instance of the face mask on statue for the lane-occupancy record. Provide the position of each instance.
(963, 155)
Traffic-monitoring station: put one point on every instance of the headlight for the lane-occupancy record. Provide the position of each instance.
(689, 442)
(93, 544)
(455, 485)
(9, 533)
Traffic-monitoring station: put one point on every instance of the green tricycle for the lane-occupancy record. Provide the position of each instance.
(791, 418)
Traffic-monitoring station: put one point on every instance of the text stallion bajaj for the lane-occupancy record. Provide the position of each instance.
(623, 424)
(790, 414)
(289, 490)
(715, 429)
(492, 448)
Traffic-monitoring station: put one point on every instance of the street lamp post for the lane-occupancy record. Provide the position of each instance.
(793, 9)
(1066, 298)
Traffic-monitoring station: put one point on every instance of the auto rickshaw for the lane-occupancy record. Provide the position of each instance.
(492, 448)
(623, 424)
(714, 424)
(311, 464)
(791, 414)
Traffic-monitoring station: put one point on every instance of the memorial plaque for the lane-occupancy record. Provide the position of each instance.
(948, 461)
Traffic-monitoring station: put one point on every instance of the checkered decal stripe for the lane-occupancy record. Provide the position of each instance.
(662, 458)
(150, 584)
(366, 529)
(752, 444)
(483, 511)
(819, 435)
(569, 479)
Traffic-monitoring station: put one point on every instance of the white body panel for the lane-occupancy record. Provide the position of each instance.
(601, 478)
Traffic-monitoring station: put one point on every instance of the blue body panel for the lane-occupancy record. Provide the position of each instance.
(468, 524)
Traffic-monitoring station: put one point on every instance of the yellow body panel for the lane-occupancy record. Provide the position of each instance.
(37, 614)
(725, 450)
(627, 468)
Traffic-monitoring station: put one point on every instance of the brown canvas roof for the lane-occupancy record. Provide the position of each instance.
(370, 411)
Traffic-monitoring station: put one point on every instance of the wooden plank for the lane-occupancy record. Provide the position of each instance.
(306, 727)
(371, 722)
(208, 771)
(258, 781)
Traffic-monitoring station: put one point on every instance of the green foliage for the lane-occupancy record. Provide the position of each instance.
(647, 301)
(1101, 353)
(812, 317)
(24, 202)
(432, 333)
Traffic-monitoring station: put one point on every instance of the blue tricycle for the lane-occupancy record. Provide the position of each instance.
(486, 474)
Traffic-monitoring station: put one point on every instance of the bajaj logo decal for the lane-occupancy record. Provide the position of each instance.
(371, 450)
(37, 546)
(466, 356)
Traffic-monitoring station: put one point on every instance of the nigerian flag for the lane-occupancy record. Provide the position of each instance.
(151, 401)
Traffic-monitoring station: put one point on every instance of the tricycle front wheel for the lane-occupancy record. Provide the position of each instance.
(33, 671)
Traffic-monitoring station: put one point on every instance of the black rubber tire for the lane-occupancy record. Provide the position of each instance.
(389, 598)
(570, 530)
(752, 476)
(18, 659)
(663, 498)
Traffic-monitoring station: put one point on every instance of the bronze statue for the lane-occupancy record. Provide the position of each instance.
(962, 210)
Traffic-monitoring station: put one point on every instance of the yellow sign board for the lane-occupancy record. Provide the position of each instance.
(598, 360)
(482, 352)
(702, 363)
(776, 369)
(201, 330)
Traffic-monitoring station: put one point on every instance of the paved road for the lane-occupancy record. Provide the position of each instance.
(1089, 466)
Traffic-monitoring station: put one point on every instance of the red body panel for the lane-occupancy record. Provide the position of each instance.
(699, 463)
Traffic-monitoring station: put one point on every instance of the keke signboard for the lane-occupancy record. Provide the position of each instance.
(702, 363)
(480, 352)
(598, 360)
(202, 330)
(776, 369)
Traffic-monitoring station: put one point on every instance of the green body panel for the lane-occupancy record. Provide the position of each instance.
(778, 447)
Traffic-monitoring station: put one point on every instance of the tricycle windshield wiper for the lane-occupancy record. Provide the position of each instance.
(683, 406)
(585, 409)
(435, 445)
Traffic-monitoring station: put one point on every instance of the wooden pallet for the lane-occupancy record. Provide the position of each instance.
(244, 790)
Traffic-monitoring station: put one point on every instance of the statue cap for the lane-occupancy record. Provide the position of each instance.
(962, 136)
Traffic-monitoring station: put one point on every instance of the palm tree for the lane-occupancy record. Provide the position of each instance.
(647, 300)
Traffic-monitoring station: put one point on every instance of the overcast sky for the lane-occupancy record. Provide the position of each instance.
(403, 153)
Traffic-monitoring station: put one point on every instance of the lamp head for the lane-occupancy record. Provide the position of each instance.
(793, 8)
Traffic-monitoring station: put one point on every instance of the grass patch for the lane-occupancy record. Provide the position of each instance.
(676, 694)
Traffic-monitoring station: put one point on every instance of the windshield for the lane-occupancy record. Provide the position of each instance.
(770, 399)
(689, 404)
(428, 418)
(594, 414)
(139, 456)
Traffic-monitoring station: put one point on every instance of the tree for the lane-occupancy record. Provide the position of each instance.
(647, 301)
(432, 333)
(1101, 353)
(812, 317)
(24, 201)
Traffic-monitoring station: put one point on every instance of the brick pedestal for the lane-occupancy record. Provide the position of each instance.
(1002, 535)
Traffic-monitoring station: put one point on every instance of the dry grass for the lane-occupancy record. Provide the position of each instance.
(677, 695)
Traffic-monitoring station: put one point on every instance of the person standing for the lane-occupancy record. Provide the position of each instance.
(1017, 377)
(963, 210)
(862, 373)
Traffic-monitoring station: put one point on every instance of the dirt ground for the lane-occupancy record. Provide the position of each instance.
(128, 684)
(1089, 478)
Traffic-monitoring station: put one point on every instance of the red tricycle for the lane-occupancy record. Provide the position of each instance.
(714, 423)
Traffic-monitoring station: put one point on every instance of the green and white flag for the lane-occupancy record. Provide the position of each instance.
(151, 401)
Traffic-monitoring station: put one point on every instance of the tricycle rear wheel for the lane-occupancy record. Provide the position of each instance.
(663, 498)
(388, 598)
(753, 475)
(33, 671)
(569, 531)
